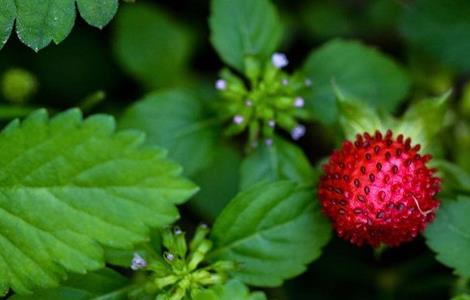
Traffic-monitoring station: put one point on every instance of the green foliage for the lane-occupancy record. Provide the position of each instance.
(104, 284)
(151, 46)
(272, 230)
(178, 121)
(232, 290)
(244, 28)
(440, 28)
(449, 235)
(219, 182)
(70, 186)
(38, 23)
(282, 160)
(361, 73)
(462, 297)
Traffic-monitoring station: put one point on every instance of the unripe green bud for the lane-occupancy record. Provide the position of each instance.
(199, 236)
(18, 85)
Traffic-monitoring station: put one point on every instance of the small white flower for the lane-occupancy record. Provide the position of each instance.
(268, 142)
(138, 262)
(279, 60)
(285, 82)
(271, 123)
(299, 102)
(308, 82)
(221, 84)
(248, 103)
(238, 119)
(298, 132)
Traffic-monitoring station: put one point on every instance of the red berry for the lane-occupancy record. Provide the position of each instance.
(379, 190)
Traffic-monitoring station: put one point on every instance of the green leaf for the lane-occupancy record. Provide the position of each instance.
(219, 182)
(104, 284)
(39, 22)
(440, 28)
(244, 28)
(232, 290)
(456, 178)
(360, 71)
(150, 45)
(70, 186)
(178, 121)
(273, 230)
(282, 160)
(97, 13)
(7, 19)
(449, 235)
(462, 297)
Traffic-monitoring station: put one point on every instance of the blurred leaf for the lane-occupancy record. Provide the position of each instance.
(360, 71)
(69, 186)
(244, 28)
(462, 297)
(104, 284)
(40, 22)
(232, 290)
(176, 120)
(9, 112)
(423, 121)
(326, 19)
(219, 182)
(440, 28)
(449, 235)
(456, 179)
(272, 230)
(151, 46)
(282, 160)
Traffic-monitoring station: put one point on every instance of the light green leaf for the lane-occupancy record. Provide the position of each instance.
(462, 297)
(273, 230)
(440, 28)
(362, 73)
(282, 160)
(150, 45)
(104, 284)
(244, 28)
(449, 235)
(219, 182)
(39, 22)
(456, 178)
(178, 121)
(70, 186)
(232, 290)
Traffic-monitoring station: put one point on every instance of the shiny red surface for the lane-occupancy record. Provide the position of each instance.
(379, 190)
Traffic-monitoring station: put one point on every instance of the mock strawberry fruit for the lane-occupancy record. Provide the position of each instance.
(379, 190)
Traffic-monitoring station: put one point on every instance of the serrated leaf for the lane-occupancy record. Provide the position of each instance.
(440, 28)
(449, 235)
(70, 186)
(151, 46)
(39, 22)
(178, 121)
(232, 290)
(244, 28)
(273, 230)
(362, 73)
(104, 284)
(97, 13)
(7, 19)
(282, 160)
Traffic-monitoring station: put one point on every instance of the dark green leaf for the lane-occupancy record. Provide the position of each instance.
(273, 230)
(104, 284)
(70, 186)
(244, 28)
(362, 73)
(282, 160)
(97, 13)
(7, 19)
(150, 45)
(176, 120)
(440, 28)
(219, 182)
(449, 235)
